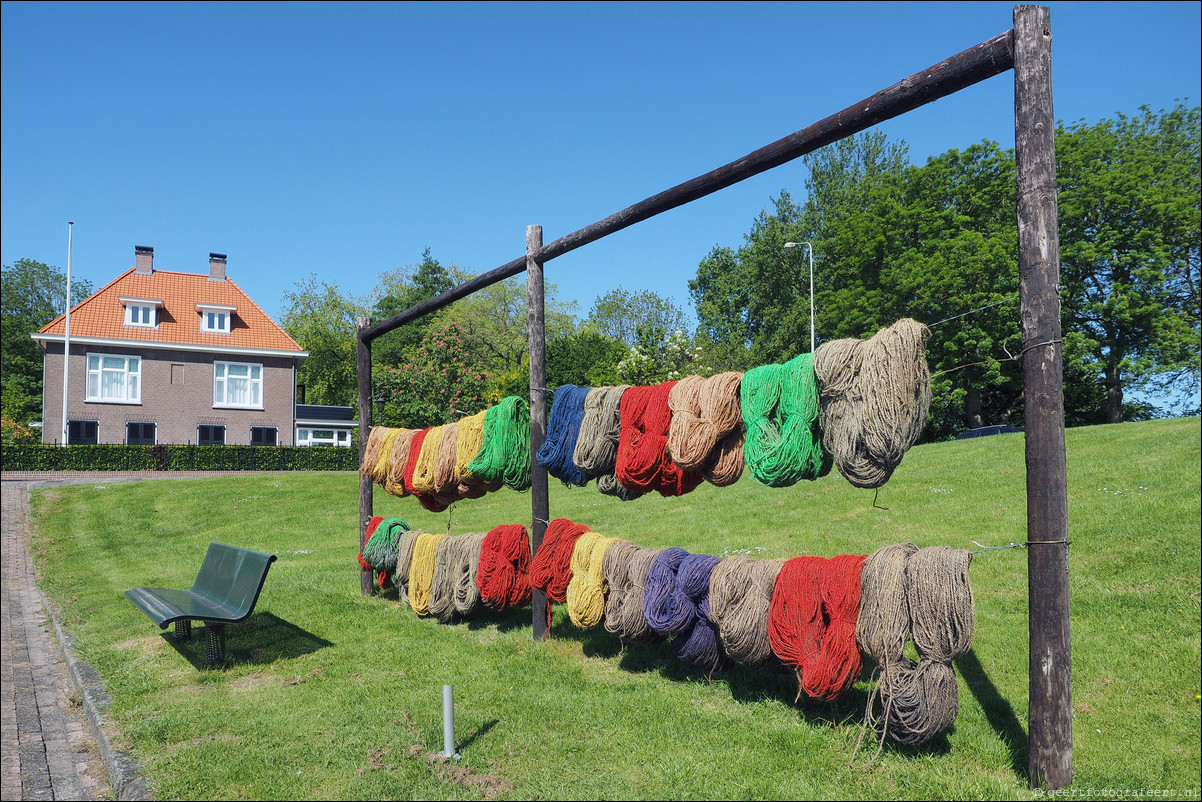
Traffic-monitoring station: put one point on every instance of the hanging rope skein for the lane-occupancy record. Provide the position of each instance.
(780, 410)
(643, 463)
(563, 429)
(876, 394)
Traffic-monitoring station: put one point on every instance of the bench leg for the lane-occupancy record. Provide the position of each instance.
(215, 645)
(183, 631)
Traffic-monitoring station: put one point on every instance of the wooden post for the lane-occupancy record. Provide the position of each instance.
(1050, 753)
(539, 504)
(363, 369)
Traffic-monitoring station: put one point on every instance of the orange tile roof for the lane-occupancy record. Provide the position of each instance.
(103, 314)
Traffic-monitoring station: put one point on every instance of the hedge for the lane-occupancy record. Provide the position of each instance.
(176, 458)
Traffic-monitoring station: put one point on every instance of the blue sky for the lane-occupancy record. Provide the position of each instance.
(342, 139)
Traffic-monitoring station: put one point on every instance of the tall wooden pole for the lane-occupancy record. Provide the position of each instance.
(363, 370)
(1050, 755)
(539, 504)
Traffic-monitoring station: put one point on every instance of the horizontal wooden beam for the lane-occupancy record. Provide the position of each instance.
(971, 66)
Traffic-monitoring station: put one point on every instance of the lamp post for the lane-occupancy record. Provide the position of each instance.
(810, 248)
(380, 409)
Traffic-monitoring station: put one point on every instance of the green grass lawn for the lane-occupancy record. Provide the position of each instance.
(329, 694)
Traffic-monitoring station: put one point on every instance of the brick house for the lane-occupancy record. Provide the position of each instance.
(165, 357)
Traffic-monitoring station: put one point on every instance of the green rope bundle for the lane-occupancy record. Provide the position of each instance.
(381, 549)
(505, 451)
(780, 411)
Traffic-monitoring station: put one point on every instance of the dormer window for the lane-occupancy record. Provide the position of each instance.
(141, 312)
(215, 319)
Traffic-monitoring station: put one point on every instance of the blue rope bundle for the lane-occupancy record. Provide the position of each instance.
(567, 411)
(699, 644)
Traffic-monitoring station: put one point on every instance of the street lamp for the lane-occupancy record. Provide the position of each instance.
(380, 408)
(810, 248)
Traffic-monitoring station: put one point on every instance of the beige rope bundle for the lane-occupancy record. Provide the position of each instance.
(585, 596)
(740, 598)
(596, 450)
(394, 483)
(707, 422)
(421, 572)
(446, 479)
(453, 585)
(924, 594)
(626, 567)
(404, 559)
(875, 396)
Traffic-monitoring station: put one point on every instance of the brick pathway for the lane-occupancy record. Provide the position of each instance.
(49, 751)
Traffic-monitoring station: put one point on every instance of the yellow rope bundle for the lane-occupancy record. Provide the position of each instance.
(427, 462)
(468, 444)
(421, 572)
(585, 595)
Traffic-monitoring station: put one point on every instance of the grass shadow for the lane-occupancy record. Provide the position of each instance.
(997, 710)
(507, 620)
(262, 639)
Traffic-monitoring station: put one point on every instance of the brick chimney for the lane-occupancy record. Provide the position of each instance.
(217, 267)
(143, 259)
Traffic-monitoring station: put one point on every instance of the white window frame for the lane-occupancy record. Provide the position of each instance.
(141, 312)
(215, 319)
(129, 384)
(337, 437)
(254, 385)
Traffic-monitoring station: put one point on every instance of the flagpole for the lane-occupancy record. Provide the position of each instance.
(67, 336)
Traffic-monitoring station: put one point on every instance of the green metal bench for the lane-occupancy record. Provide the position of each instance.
(225, 592)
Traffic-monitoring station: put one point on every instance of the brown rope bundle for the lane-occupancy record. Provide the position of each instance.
(371, 452)
(446, 481)
(920, 593)
(740, 596)
(707, 421)
(394, 483)
(875, 395)
(626, 568)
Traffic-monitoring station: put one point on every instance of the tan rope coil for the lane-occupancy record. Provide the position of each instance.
(740, 597)
(875, 395)
(626, 568)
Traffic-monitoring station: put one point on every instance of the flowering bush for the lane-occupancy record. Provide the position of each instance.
(13, 432)
(670, 360)
(441, 382)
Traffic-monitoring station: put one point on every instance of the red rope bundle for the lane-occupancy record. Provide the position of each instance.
(503, 575)
(812, 622)
(643, 463)
(415, 449)
(382, 578)
(551, 569)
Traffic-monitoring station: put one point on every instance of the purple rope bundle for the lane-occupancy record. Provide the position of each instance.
(676, 602)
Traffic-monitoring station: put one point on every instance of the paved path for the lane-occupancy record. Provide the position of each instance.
(49, 751)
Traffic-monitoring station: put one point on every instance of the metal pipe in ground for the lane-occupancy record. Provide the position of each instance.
(448, 723)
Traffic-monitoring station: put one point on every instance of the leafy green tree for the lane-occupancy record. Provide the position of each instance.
(629, 317)
(586, 358)
(1129, 248)
(398, 290)
(322, 321)
(31, 295)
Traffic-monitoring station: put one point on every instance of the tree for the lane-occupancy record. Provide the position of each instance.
(1129, 248)
(586, 358)
(398, 290)
(32, 294)
(629, 317)
(439, 383)
(322, 321)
